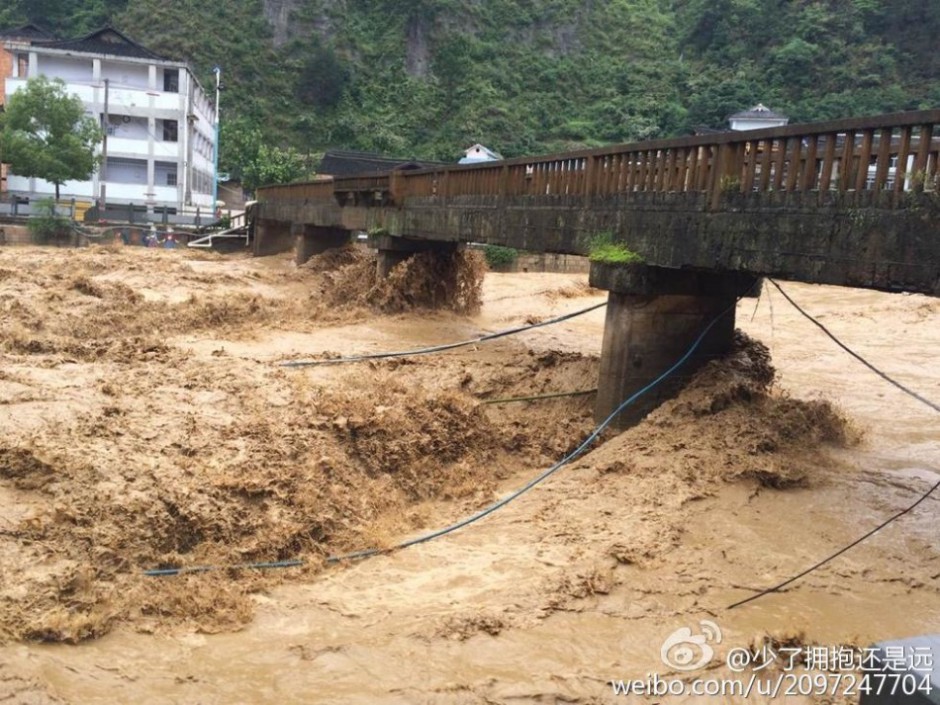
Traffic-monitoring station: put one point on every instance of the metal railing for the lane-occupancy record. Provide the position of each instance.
(886, 154)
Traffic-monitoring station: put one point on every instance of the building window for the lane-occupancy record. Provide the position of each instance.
(170, 130)
(22, 65)
(171, 80)
(171, 178)
(126, 171)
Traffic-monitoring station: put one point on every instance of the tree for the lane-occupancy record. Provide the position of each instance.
(247, 157)
(72, 17)
(46, 134)
(273, 165)
(323, 79)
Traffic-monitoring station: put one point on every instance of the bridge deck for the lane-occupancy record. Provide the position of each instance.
(853, 202)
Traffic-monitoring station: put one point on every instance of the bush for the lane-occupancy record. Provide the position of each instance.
(499, 256)
(45, 226)
(603, 248)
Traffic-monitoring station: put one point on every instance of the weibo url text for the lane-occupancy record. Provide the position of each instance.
(781, 685)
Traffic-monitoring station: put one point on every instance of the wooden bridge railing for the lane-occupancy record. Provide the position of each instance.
(884, 154)
(320, 190)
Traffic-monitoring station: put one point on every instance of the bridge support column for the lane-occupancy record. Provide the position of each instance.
(272, 237)
(654, 315)
(394, 250)
(312, 240)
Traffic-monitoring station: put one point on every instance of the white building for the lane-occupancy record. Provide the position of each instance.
(757, 118)
(161, 123)
(478, 153)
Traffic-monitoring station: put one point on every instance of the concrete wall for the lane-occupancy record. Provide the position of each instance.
(861, 239)
(123, 75)
(77, 70)
(15, 235)
(127, 127)
(273, 237)
(854, 239)
(44, 189)
(127, 171)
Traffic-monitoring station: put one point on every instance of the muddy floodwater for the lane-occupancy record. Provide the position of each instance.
(145, 423)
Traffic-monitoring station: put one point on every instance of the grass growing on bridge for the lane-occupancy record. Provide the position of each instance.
(604, 249)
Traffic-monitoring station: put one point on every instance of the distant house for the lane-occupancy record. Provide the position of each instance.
(758, 117)
(478, 153)
(349, 163)
(8, 59)
(161, 123)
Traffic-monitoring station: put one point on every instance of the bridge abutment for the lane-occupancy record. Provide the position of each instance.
(395, 250)
(654, 316)
(313, 240)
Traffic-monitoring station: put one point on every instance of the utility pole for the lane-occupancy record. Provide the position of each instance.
(215, 176)
(103, 171)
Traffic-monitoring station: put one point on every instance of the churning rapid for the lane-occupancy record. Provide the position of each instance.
(145, 422)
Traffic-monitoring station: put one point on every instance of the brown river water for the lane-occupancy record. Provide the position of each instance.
(581, 580)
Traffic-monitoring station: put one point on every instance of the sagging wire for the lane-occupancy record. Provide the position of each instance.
(445, 346)
(160, 572)
(890, 520)
(539, 397)
(367, 553)
(820, 564)
(883, 375)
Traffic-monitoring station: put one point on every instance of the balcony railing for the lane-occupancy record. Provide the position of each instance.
(131, 100)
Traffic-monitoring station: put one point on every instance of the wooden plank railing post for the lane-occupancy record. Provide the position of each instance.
(655, 169)
(629, 166)
(922, 160)
(864, 159)
(883, 161)
(590, 187)
(845, 165)
(750, 165)
(829, 157)
(901, 174)
(682, 167)
(396, 187)
(808, 181)
(780, 160)
(706, 159)
(794, 156)
(723, 165)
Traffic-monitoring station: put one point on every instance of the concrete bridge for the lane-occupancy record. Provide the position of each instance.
(853, 203)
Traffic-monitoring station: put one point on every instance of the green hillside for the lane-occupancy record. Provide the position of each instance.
(425, 78)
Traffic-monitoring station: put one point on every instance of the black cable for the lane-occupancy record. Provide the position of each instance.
(369, 552)
(918, 397)
(823, 562)
(885, 523)
(445, 346)
(538, 397)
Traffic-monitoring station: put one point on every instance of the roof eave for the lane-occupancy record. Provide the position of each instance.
(47, 49)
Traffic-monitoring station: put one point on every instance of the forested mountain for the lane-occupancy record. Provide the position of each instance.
(426, 78)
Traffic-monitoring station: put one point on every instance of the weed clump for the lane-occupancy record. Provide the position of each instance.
(603, 248)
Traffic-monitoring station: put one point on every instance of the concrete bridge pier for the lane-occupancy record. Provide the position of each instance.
(654, 315)
(313, 240)
(272, 237)
(394, 250)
